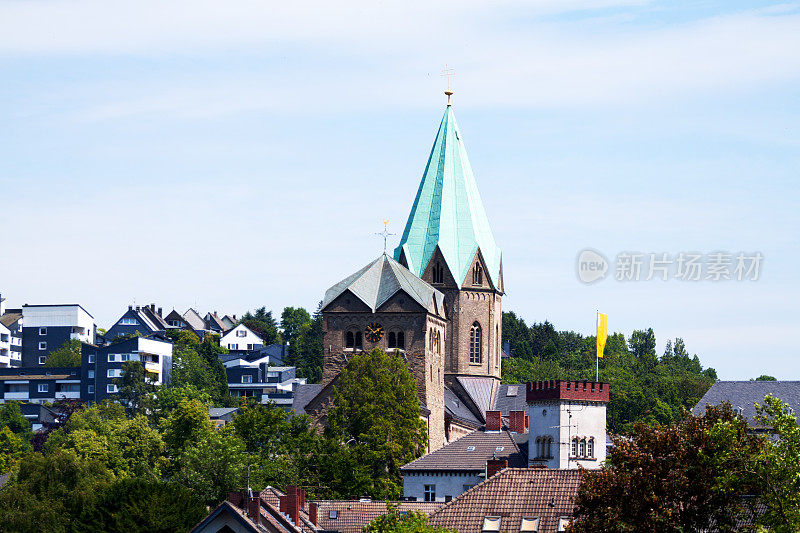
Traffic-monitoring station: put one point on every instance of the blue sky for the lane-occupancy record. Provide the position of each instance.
(228, 155)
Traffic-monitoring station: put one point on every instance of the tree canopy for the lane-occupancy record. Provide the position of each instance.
(68, 354)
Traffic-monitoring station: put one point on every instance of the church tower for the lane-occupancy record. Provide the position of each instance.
(448, 243)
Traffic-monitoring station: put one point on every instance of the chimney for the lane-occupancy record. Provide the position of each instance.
(160, 311)
(153, 307)
(254, 509)
(130, 308)
(493, 421)
(493, 466)
(312, 512)
(516, 421)
(293, 504)
(236, 498)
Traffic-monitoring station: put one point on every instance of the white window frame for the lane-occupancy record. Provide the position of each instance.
(91, 358)
(90, 389)
(42, 331)
(43, 387)
(128, 322)
(241, 333)
(247, 378)
(43, 345)
(91, 374)
(42, 359)
(429, 493)
(492, 523)
(111, 388)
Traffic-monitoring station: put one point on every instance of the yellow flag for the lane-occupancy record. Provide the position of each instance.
(602, 333)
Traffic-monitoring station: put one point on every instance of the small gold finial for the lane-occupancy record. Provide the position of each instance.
(448, 72)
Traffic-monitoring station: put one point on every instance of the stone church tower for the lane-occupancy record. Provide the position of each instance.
(438, 301)
(448, 242)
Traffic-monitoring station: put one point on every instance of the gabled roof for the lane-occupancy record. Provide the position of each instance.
(448, 212)
(194, 320)
(470, 453)
(10, 318)
(377, 282)
(303, 394)
(480, 390)
(213, 320)
(513, 494)
(510, 397)
(743, 394)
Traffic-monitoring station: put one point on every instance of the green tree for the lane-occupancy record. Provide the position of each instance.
(11, 417)
(166, 399)
(50, 491)
(777, 468)
(212, 466)
(198, 364)
(307, 349)
(396, 522)
(68, 354)
(136, 388)
(376, 414)
(262, 323)
(764, 377)
(683, 477)
(12, 448)
(136, 505)
(186, 424)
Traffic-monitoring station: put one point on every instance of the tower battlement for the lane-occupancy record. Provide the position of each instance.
(590, 391)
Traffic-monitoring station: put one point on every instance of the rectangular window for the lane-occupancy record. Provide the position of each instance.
(128, 322)
(247, 378)
(233, 346)
(333, 514)
(590, 448)
(111, 389)
(241, 333)
(42, 331)
(42, 345)
(574, 448)
(563, 523)
(90, 389)
(43, 387)
(42, 360)
(91, 358)
(249, 347)
(91, 374)
(430, 493)
(114, 373)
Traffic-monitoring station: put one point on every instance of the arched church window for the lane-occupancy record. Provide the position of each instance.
(582, 450)
(590, 448)
(538, 446)
(358, 339)
(574, 447)
(475, 355)
(350, 340)
(392, 340)
(438, 273)
(549, 447)
(401, 340)
(477, 275)
(430, 339)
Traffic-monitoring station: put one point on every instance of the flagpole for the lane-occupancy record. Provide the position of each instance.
(597, 346)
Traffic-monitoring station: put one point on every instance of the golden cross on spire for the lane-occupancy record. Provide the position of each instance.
(385, 233)
(448, 73)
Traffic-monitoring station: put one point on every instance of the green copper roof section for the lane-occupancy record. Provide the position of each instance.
(448, 211)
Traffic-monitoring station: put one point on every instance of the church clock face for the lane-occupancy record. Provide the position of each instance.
(374, 332)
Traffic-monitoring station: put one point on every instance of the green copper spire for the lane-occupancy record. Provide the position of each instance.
(448, 212)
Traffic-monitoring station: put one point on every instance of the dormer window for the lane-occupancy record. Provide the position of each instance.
(438, 273)
(477, 275)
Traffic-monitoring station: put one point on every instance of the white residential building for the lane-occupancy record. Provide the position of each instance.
(241, 339)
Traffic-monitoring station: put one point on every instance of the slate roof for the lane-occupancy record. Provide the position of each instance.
(743, 394)
(512, 494)
(217, 412)
(194, 320)
(457, 409)
(8, 319)
(303, 394)
(352, 516)
(377, 282)
(510, 397)
(448, 212)
(480, 391)
(457, 456)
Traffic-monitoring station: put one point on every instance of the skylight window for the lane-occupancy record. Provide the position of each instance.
(512, 390)
(500, 448)
(529, 524)
(333, 515)
(563, 522)
(491, 523)
(470, 448)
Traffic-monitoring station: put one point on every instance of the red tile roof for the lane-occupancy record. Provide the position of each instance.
(513, 494)
(352, 516)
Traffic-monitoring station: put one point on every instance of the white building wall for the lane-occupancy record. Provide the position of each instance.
(447, 484)
(564, 420)
(60, 315)
(5, 346)
(232, 337)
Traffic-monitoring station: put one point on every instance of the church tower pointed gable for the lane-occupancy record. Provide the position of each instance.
(448, 212)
